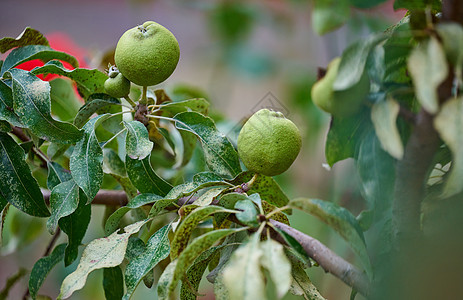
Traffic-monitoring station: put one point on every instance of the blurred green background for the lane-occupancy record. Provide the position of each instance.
(243, 55)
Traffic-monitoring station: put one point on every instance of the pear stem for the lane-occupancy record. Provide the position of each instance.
(144, 99)
(127, 98)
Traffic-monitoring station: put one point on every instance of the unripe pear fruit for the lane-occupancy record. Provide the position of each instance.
(116, 85)
(147, 54)
(268, 143)
(341, 103)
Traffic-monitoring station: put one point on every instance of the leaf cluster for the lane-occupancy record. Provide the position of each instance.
(185, 211)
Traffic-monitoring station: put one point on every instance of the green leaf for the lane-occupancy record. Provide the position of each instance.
(397, 49)
(113, 283)
(341, 220)
(93, 104)
(189, 144)
(112, 163)
(366, 3)
(100, 253)
(353, 62)
(328, 15)
(166, 135)
(29, 36)
(449, 125)
(75, 225)
(135, 247)
(199, 105)
(86, 162)
(17, 185)
(42, 267)
(137, 143)
(301, 285)
(32, 104)
(242, 275)
(220, 290)
(208, 196)
(376, 170)
(64, 101)
(6, 105)
(27, 53)
(417, 4)
(248, 213)
(157, 249)
(277, 264)
(200, 180)
(113, 221)
(64, 200)
(452, 40)
(230, 244)
(230, 199)
(428, 68)
(144, 178)
(365, 219)
(186, 227)
(88, 81)
(219, 153)
(56, 150)
(56, 174)
(195, 273)
(176, 269)
(384, 116)
(343, 136)
(5, 126)
(299, 251)
(268, 189)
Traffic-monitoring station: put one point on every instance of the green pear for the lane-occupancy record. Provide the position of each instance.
(116, 85)
(341, 103)
(268, 143)
(147, 54)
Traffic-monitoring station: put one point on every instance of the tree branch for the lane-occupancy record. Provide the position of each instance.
(411, 174)
(327, 259)
(103, 197)
(412, 170)
(452, 10)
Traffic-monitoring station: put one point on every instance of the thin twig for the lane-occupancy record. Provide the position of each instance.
(103, 197)
(130, 101)
(327, 259)
(18, 132)
(47, 252)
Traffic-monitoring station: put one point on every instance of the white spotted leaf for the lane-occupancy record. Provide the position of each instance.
(157, 248)
(428, 68)
(137, 143)
(86, 162)
(449, 125)
(32, 104)
(242, 276)
(100, 253)
(17, 185)
(64, 200)
(384, 116)
(220, 155)
(277, 264)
